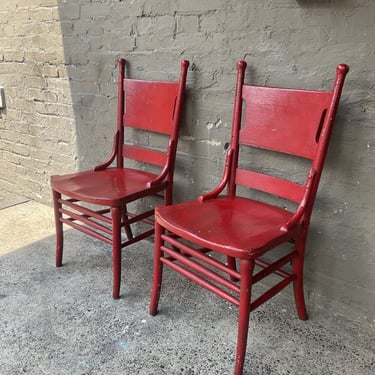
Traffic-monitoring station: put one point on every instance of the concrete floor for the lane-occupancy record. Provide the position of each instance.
(64, 321)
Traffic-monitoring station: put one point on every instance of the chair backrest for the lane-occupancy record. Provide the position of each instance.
(154, 106)
(288, 121)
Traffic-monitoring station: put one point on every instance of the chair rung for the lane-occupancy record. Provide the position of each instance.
(86, 230)
(85, 220)
(141, 217)
(201, 269)
(271, 292)
(139, 237)
(273, 267)
(199, 254)
(69, 200)
(148, 221)
(90, 213)
(200, 281)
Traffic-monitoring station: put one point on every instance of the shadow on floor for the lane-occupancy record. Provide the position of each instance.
(64, 321)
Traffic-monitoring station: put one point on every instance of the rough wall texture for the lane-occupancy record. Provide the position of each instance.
(57, 61)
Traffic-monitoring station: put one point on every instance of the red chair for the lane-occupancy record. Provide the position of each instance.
(144, 106)
(244, 229)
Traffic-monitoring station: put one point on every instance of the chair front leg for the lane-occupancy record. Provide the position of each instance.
(116, 250)
(158, 268)
(246, 271)
(59, 228)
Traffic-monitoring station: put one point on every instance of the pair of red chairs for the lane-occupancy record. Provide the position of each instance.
(224, 242)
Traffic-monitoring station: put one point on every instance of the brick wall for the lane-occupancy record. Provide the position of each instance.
(57, 61)
(37, 128)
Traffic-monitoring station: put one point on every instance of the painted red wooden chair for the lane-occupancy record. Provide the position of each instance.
(144, 106)
(243, 229)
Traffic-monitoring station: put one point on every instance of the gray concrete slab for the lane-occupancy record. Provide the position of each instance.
(64, 321)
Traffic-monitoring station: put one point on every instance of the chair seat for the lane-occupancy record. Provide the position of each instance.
(237, 226)
(106, 187)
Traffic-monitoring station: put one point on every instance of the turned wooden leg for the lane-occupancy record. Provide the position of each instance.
(158, 269)
(246, 270)
(298, 263)
(59, 228)
(116, 250)
(125, 218)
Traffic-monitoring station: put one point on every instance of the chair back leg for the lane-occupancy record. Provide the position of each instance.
(298, 264)
(168, 197)
(59, 228)
(125, 218)
(158, 269)
(232, 265)
(116, 250)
